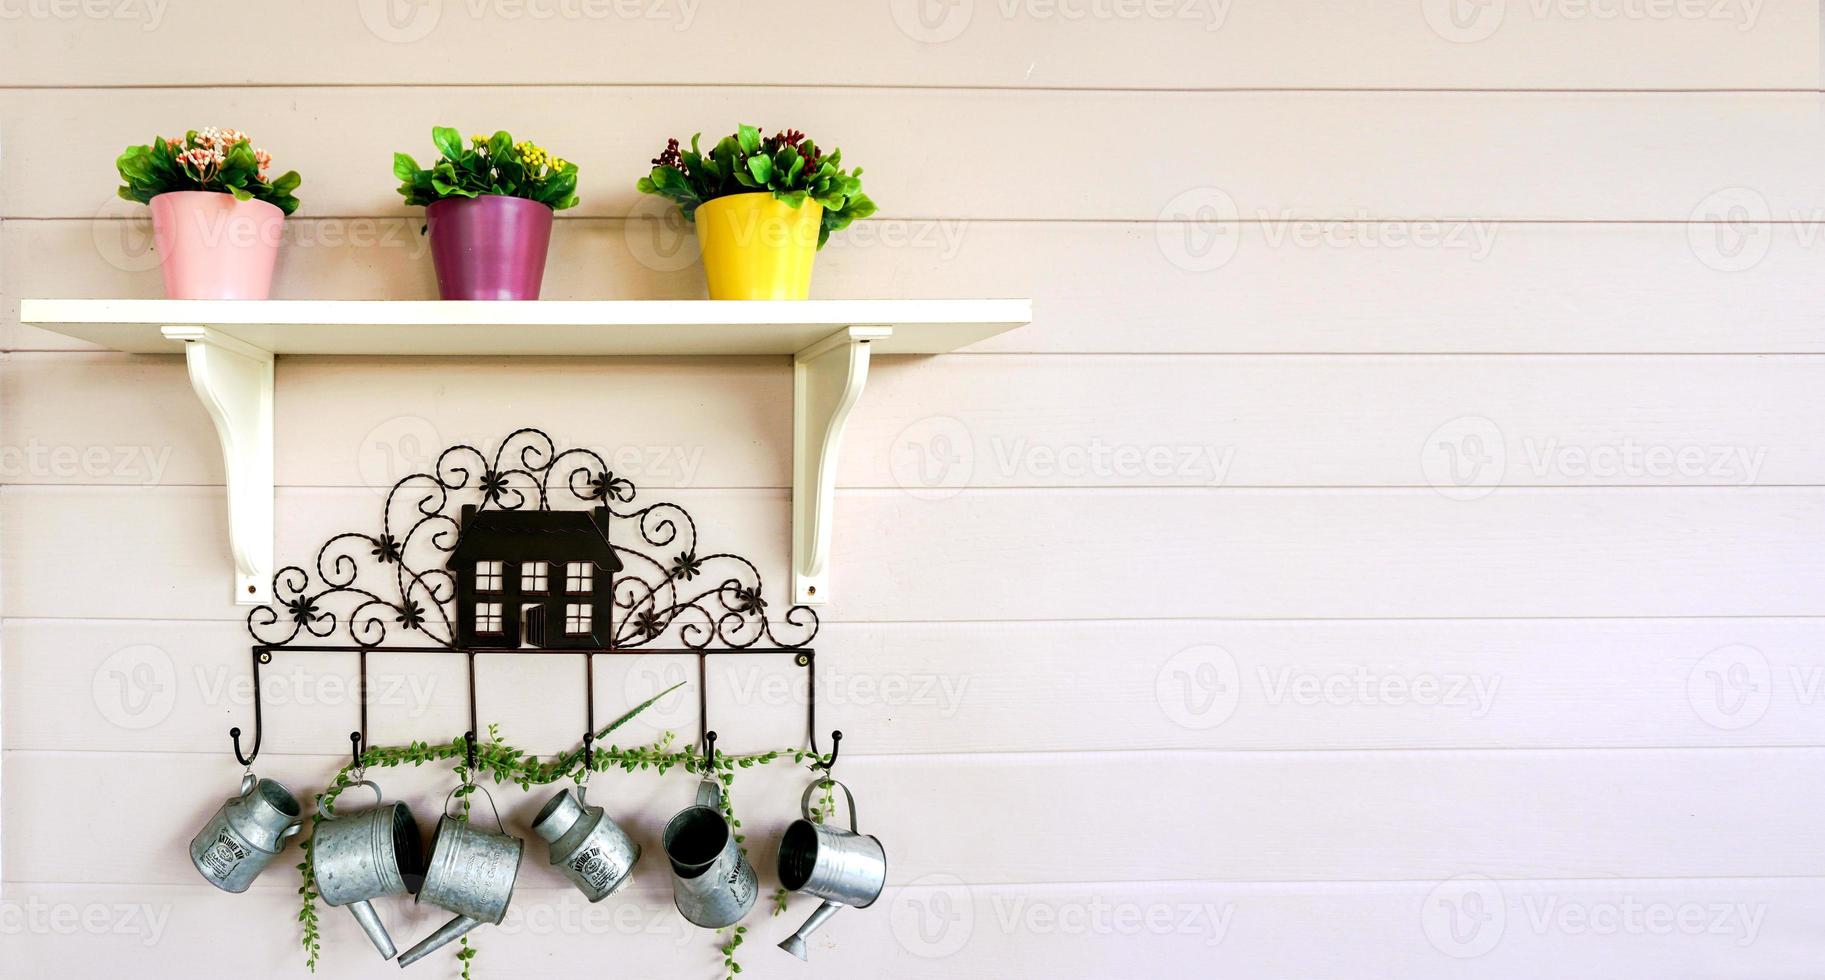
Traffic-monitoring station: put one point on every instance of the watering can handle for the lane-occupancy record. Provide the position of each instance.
(497, 810)
(329, 809)
(804, 803)
(709, 794)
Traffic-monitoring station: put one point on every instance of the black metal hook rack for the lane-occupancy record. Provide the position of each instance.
(644, 598)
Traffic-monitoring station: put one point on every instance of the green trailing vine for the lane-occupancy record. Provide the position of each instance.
(507, 764)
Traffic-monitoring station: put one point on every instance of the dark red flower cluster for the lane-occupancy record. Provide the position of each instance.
(670, 157)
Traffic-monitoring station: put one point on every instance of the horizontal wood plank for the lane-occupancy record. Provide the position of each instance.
(1406, 287)
(1006, 818)
(1008, 421)
(130, 686)
(1024, 44)
(942, 927)
(1255, 554)
(1327, 155)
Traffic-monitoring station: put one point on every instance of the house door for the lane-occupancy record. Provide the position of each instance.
(532, 626)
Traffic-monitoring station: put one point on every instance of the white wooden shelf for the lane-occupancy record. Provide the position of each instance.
(230, 345)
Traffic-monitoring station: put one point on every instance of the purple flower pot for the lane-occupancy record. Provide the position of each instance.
(489, 247)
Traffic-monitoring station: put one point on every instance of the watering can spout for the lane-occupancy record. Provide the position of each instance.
(795, 943)
(450, 932)
(370, 924)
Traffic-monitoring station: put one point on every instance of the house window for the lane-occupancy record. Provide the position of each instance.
(579, 576)
(487, 617)
(534, 576)
(487, 576)
(577, 618)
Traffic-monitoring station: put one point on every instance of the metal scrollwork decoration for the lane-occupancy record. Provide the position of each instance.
(669, 590)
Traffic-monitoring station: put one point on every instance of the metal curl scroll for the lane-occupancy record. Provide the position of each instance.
(373, 585)
(366, 588)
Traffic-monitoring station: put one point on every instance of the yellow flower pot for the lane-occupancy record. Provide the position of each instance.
(757, 247)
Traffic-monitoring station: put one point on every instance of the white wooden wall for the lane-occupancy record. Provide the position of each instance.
(1393, 550)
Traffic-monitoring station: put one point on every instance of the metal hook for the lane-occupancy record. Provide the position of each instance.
(836, 746)
(356, 748)
(589, 756)
(246, 760)
(259, 726)
(709, 753)
(469, 753)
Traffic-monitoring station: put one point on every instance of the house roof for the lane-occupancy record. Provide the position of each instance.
(536, 535)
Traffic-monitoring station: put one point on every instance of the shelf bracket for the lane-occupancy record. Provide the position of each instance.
(827, 379)
(233, 380)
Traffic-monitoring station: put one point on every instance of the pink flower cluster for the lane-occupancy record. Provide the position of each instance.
(209, 151)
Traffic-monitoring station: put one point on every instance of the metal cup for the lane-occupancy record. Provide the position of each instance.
(586, 846)
(471, 873)
(246, 833)
(842, 867)
(712, 883)
(363, 856)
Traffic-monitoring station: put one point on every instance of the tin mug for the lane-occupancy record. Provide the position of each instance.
(842, 867)
(471, 873)
(712, 883)
(586, 846)
(246, 833)
(358, 857)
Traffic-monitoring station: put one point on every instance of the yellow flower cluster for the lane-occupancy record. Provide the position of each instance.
(535, 156)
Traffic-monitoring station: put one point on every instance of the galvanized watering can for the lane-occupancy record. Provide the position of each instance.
(363, 856)
(246, 833)
(712, 882)
(842, 867)
(471, 873)
(586, 846)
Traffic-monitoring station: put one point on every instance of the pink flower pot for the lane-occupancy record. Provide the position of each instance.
(489, 247)
(212, 246)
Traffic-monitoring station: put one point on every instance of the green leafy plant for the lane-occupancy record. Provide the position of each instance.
(224, 161)
(507, 764)
(788, 164)
(487, 165)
